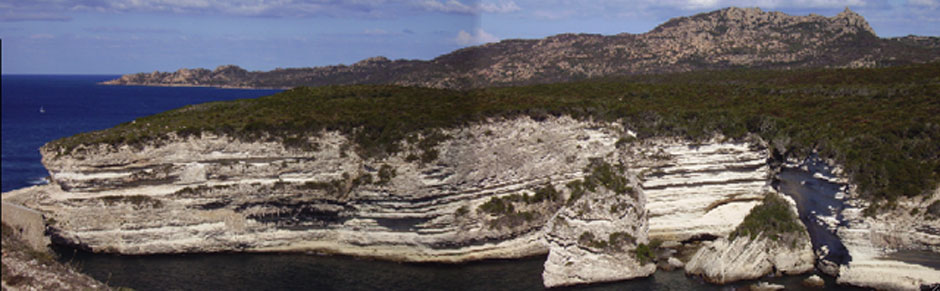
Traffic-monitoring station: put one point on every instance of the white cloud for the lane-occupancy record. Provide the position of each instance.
(502, 7)
(932, 4)
(455, 6)
(702, 3)
(477, 37)
(451, 6)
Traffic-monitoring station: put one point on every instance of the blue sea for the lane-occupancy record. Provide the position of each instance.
(75, 104)
(39, 109)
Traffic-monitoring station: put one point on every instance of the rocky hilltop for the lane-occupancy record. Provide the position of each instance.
(727, 38)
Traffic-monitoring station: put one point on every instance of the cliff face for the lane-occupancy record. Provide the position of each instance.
(503, 189)
(587, 193)
(747, 257)
(595, 238)
(727, 38)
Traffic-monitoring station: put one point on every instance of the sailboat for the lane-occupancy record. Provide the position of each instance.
(42, 110)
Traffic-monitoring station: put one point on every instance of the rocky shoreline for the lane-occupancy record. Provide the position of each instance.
(868, 241)
(603, 205)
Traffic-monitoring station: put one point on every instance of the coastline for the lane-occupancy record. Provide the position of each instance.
(109, 83)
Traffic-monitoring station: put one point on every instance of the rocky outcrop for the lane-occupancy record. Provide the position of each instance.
(28, 224)
(744, 258)
(597, 237)
(726, 38)
(878, 244)
(750, 257)
(28, 268)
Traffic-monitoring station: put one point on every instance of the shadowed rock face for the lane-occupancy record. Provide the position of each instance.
(727, 38)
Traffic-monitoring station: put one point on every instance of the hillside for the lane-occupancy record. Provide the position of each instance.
(722, 39)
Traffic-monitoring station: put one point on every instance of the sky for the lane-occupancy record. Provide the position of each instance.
(130, 36)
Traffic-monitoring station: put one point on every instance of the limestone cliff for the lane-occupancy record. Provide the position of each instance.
(726, 38)
(588, 193)
(585, 192)
(597, 238)
(749, 257)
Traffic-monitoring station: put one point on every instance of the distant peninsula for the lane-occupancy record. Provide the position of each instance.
(723, 39)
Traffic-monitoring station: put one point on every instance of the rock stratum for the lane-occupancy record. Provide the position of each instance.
(722, 39)
(506, 189)
(598, 201)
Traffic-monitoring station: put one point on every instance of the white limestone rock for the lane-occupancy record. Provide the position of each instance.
(724, 261)
(870, 239)
(703, 189)
(675, 263)
(594, 239)
(814, 281)
(764, 286)
(744, 258)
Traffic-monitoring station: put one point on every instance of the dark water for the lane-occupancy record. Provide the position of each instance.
(817, 196)
(75, 104)
(313, 272)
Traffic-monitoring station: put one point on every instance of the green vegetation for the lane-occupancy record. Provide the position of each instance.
(547, 192)
(504, 208)
(620, 238)
(772, 217)
(497, 206)
(600, 173)
(587, 239)
(933, 211)
(615, 241)
(462, 211)
(577, 190)
(880, 124)
(644, 253)
(386, 173)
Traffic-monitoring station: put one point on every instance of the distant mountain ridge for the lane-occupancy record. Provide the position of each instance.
(727, 38)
